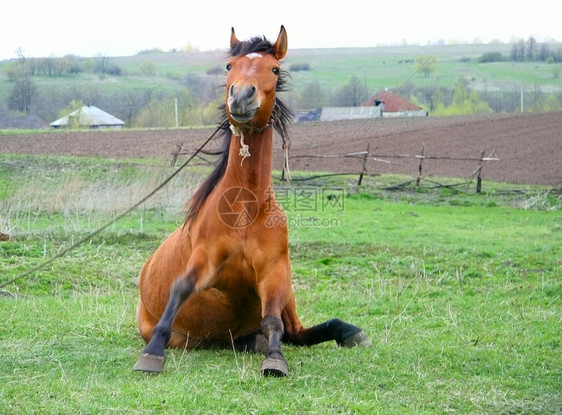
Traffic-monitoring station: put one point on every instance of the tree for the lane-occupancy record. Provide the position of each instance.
(149, 67)
(22, 94)
(464, 102)
(426, 64)
(24, 90)
(433, 97)
(131, 106)
(518, 51)
(544, 52)
(312, 96)
(351, 94)
(104, 66)
(73, 120)
(491, 57)
(531, 46)
(160, 112)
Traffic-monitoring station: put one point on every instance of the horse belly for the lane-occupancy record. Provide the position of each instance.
(216, 316)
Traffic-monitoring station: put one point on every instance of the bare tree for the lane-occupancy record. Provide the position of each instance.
(24, 90)
(350, 94)
(531, 48)
(518, 51)
(312, 96)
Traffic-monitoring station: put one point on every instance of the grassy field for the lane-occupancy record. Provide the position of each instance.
(460, 294)
(379, 67)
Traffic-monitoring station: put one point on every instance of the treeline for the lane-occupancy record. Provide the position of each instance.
(56, 66)
(199, 99)
(151, 108)
(438, 101)
(137, 107)
(463, 100)
(526, 51)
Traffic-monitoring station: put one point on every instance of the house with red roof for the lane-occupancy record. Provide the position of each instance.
(393, 105)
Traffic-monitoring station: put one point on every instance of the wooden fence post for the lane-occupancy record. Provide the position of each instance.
(176, 154)
(479, 177)
(364, 165)
(420, 166)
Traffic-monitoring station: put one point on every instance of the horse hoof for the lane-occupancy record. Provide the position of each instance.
(150, 363)
(274, 367)
(358, 339)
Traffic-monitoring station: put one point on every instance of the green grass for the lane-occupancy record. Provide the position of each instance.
(460, 293)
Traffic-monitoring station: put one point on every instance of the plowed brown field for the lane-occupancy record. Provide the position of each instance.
(529, 146)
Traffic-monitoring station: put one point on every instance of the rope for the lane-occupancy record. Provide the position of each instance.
(244, 148)
(122, 215)
(286, 159)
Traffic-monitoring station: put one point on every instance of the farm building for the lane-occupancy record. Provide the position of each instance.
(383, 104)
(21, 122)
(89, 116)
(393, 105)
(337, 113)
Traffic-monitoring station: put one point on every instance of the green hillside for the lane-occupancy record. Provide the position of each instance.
(319, 77)
(379, 67)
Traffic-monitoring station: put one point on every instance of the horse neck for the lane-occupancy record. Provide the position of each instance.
(252, 172)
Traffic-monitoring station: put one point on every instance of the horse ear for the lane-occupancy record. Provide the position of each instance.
(280, 45)
(233, 39)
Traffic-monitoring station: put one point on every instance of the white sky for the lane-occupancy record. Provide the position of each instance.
(116, 28)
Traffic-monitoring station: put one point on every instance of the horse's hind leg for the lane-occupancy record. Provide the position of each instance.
(344, 334)
(152, 358)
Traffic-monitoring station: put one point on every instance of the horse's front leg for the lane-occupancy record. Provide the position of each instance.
(152, 358)
(273, 291)
(274, 364)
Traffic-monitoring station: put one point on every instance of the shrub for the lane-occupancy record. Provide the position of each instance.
(491, 57)
(296, 67)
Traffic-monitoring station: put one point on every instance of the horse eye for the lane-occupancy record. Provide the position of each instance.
(228, 67)
(276, 71)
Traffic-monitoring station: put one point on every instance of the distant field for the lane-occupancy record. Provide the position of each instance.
(379, 67)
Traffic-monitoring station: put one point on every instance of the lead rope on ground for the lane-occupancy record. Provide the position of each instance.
(120, 216)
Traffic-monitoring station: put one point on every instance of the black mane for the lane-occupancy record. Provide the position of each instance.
(254, 45)
(281, 117)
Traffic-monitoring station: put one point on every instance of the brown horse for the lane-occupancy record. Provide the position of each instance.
(224, 278)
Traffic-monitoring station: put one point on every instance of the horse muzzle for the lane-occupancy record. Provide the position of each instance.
(243, 102)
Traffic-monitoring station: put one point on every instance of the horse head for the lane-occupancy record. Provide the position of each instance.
(254, 77)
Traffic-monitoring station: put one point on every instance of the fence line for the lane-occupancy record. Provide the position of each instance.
(366, 155)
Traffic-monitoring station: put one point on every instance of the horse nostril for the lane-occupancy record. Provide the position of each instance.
(231, 90)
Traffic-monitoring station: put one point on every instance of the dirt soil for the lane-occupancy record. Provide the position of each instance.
(528, 146)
